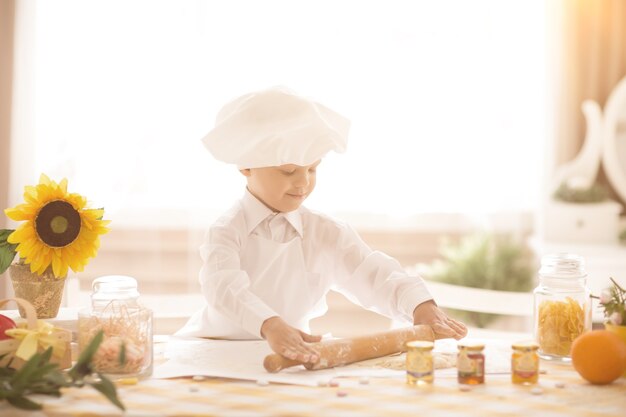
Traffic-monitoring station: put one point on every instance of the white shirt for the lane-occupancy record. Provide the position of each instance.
(259, 264)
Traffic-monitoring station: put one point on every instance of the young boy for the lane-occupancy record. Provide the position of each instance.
(269, 261)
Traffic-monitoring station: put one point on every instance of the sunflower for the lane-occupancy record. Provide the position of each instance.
(58, 229)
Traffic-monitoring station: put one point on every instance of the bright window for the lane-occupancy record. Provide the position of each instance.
(446, 100)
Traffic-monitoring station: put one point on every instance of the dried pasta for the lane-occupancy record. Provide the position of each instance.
(559, 323)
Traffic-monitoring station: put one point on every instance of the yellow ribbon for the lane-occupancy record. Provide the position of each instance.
(43, 336)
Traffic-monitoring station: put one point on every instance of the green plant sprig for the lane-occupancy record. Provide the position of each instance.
(482, 260)
(613, 302)
(39, 376)
(597, 193)
(7, 250)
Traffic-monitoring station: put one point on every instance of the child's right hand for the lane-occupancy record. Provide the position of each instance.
(289, 341)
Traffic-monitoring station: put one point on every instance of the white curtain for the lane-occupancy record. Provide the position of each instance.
(17, 28)
(7, 22)
(590, 60)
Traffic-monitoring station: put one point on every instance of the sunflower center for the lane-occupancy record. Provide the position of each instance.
(57, 223)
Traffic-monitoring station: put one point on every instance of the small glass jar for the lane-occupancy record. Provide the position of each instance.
(562, 305)
(126, 349)
(471, 363)
(525, 363)
(419, 362)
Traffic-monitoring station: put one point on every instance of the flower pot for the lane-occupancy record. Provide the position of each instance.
(618, 330)
(44, 292)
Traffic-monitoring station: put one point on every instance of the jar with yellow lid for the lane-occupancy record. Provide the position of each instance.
(471, 363)
(525, 363)
(562, 310)
(419, 362)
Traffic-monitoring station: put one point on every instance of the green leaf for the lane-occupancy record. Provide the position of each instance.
(23, 403)
(122, 355)
(45, 356)
(7, 250)
(83, 364)
(58, 379)
(107, 388)
(24, 374)
(6, 372)
(4, 234)
(43, 370)
(39, 376)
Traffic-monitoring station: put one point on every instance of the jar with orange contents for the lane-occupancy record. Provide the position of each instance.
(525, 363)
(562, 309)
(471, 363)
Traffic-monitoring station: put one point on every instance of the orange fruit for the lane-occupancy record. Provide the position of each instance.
(599, 356)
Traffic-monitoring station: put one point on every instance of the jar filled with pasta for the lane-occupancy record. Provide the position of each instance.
(126, 349)
(562, 310)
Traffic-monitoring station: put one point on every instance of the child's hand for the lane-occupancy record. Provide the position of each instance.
(289, 341)
(443, 326)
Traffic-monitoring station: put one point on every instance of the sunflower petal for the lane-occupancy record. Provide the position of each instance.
(20, 212)
(56, 265)
(30, 194)
(63, 185)
(13, 238)
(43, 179)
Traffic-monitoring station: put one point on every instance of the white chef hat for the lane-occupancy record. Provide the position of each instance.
(275, 127)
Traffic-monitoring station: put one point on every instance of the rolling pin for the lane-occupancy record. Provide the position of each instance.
(344, 351)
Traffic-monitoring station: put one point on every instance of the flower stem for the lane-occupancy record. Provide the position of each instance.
(620, 293)
(617, 285)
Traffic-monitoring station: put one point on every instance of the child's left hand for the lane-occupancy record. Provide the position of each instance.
(443, 326)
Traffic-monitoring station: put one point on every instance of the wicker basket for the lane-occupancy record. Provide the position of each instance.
(9, 347)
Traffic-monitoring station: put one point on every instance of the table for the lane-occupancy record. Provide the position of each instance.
(388, 396)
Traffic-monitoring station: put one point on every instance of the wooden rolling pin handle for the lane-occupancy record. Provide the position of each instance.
(274, 363)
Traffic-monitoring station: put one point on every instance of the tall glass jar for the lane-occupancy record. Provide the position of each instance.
(126, 349)
(562, 310)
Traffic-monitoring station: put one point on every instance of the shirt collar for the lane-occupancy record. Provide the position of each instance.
(255, 212)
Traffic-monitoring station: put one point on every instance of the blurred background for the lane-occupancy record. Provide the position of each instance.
(471, 153)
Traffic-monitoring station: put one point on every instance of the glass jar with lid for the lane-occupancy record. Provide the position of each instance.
(126, 349)
(562, 305)
(470, 363)
(419, 362)
(525, 363)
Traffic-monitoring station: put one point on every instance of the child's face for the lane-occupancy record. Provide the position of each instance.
(282, 188)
